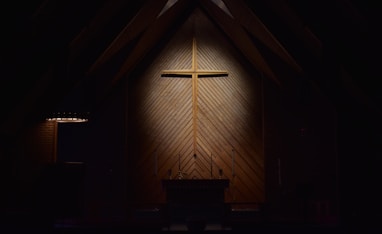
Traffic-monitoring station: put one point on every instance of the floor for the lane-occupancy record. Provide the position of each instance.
(264, 229)
(149, 225)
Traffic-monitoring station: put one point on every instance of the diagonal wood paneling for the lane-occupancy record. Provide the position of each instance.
(228, 118)
(160, 117)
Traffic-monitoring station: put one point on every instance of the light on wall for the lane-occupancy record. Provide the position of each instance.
(68, 117)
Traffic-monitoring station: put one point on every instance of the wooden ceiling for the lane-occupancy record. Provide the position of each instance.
(52, 48)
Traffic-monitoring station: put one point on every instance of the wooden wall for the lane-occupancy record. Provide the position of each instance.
(228, 118)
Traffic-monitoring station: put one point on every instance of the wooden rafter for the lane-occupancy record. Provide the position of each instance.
(240, 39)
(253, 25)
(282, 10)
(146, 16)
(96, 25)
(150, 37)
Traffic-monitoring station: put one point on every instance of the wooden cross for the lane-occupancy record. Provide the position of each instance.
(194, 73)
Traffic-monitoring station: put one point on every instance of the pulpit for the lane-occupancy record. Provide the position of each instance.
(195, 198)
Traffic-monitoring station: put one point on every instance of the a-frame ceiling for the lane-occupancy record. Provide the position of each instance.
(51, 47)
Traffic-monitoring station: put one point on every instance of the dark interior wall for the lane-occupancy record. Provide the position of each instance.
(100, 145)
(358, 136)
(300, 151)
(360, 141)
(24, 159)
(65, 170)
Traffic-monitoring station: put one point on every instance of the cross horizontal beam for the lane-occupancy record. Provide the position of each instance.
(189, 73)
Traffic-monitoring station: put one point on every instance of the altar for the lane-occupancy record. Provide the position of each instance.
(196, 198)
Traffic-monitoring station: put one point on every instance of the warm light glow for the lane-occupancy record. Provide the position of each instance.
(67, 117)
(67, 120)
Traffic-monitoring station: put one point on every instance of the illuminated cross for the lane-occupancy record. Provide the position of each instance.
(194, 74)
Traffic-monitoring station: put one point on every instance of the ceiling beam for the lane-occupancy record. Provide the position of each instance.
(151, 37)
(282, 10)
(146, 42)
(94, 28)
(240, 39)
(246, 17)
(146, 16)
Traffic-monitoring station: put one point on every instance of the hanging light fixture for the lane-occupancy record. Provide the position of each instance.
(68, 117)
(73, 100)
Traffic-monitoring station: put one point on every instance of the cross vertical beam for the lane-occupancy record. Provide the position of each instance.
(194, 73)
(194, 93)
